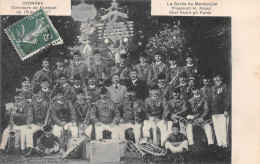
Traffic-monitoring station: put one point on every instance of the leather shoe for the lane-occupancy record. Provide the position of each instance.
(30, 152)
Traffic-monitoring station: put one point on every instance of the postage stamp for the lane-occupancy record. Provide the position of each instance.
(32, 34)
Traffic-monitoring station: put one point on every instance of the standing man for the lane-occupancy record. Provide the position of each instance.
(144, 69)
(158, 67)
(98, 67)
(199, 114)
(220, 109)
(132, 114)
(190, 69)
(44, 72)
(206, 90)
(174, 69)
(26, 88)
(105, 115)
(156, 106)
(140, 86)
(19, 113)
(36, 117)
(116, 91)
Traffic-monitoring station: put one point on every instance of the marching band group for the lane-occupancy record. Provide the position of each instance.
(145, 97)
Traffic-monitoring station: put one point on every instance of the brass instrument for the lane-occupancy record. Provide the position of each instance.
(48, 113)
(152, 149)
(12, 132)
(134, 149)
(173, 81)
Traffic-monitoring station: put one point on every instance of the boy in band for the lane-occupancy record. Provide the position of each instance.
(59, 69)
(177, 108)
(63, 115)
(105, 115)
(82, 108)
(44, 72)
(158, 67)
(36, 117)
(47, 93)
(20, 112)
(92, 90)
(132, 109)
(199, 113)
(98, 67)
(176, 142)
(220, 104)
(76, 85)
(144, 69)
(156, 106)
(48, 143)
(77, 66)
(26, 88)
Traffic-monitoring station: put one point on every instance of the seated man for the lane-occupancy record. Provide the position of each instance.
(176, 142)
(131, 111)
(63, 115)
(177, 108)
(105, 115)
(82, 108)
(199, 115)
(36, 117)
(19, 114)
(155, 107)
(48, 143)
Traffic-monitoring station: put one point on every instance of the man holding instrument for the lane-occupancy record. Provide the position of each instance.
(82, 109)
(36, 117)
(19, 113)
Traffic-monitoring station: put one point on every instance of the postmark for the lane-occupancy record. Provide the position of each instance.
(32, 34)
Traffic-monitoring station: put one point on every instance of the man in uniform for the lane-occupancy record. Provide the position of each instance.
(165, 89)
(177, 108)
(140, 86)
(64, 86)
(116, 91)
(36, 117)
(174, 69)
(220, 104)
(183, 85)
(92, 90)
(158, 67)
(206, 90)
(156, 106)
(59, 69)
(19, 113)
(63, 115)
(190, 69)
(26, 88)
(105, 115)
(98, 67)
(44, 72)
(76, 85)
(47, 93)
(199, 115)
(132, 113)
(77, 66)
(144, 69)
(82, 109)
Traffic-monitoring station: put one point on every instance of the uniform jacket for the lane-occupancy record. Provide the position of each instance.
(105, 112)
(199, 107)
(47, 142)
(178, 107)
(184, 91)
(81, 110)
(117, 95)
(128, 113)
(62, 112)
(21, 114)
(93, 92)
(40, 74)
(158, 69)
(57, 71)
(27, 94)
(221, 99)
(37, 112)
(98, 69)
(175, 138)
(206, 91)
(144, 72)
(190, 71)
(142, 90)
(80, 68)
(156, 108)
(73, 92)
(66, 91)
